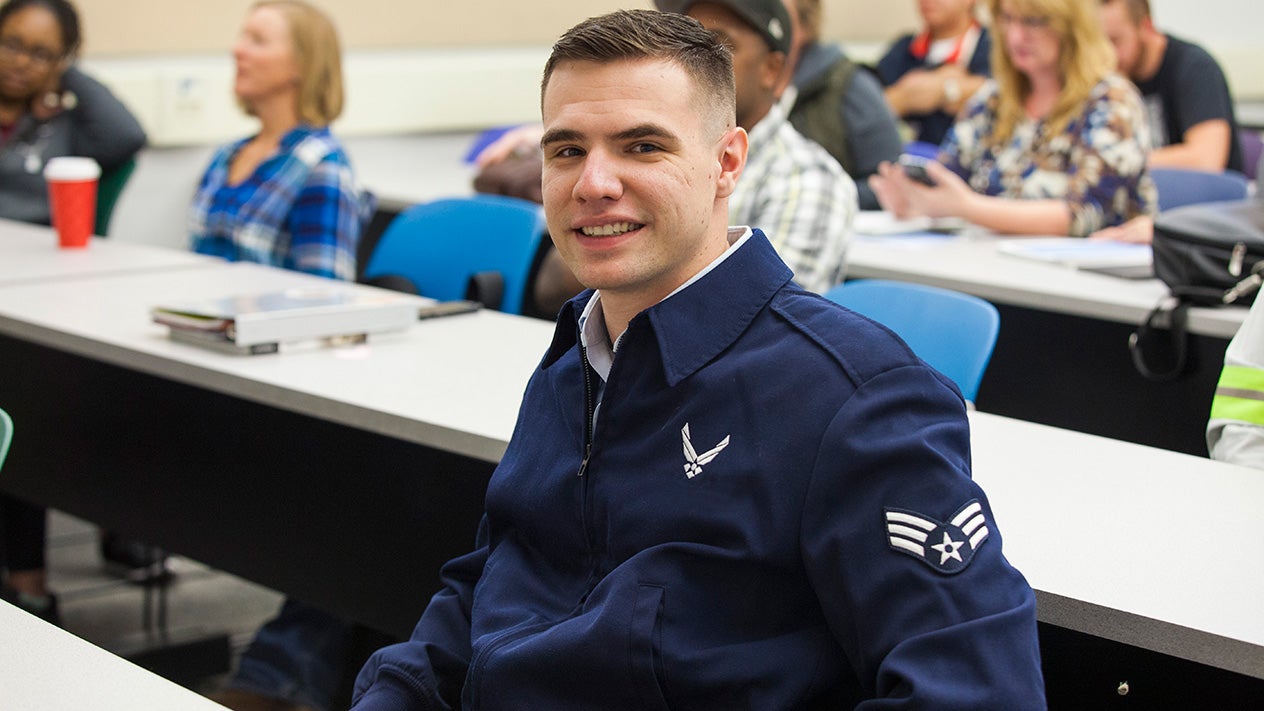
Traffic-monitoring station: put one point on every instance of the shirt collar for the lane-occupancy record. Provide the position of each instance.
(691, 326)
(593, 335)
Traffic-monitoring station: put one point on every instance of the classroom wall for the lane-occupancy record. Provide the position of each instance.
(422, 67)
(129, 27)
(410, 66)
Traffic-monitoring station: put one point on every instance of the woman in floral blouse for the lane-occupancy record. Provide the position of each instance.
(1056, 144)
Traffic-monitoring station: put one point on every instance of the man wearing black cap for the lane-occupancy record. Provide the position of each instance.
(792, 188)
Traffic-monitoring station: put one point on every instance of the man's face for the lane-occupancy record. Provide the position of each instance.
(944, 13)
(635, 166)
(1125, 35)
(755, 66)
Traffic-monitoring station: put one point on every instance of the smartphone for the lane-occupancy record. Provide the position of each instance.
(915, 168)
(448, 308)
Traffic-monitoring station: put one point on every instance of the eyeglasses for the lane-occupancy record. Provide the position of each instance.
(1031, 23)
(11, 48)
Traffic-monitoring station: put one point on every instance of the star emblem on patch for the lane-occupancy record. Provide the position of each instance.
(947, 547)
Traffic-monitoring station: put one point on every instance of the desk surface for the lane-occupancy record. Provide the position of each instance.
(29, 255)
(453, 383)
(1131, 543)
(45, 668)
(1121, 541)
(972, 264)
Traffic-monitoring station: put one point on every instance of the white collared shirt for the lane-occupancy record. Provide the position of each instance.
(595, 339)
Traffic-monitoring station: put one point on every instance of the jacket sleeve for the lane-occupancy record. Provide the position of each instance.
(1235, 429)
(104, 129)
(905, 555)
(428, 671)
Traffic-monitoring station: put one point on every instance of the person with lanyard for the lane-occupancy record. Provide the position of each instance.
(1056, 144)
(929, 75)
(723, 491)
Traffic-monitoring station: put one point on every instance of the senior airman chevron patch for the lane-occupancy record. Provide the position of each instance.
(945, 547)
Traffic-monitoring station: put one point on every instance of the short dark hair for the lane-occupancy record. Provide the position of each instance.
(649, 34)
(1138, 10)
(67, 20)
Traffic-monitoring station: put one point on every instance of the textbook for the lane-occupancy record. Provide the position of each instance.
(257, 323)
(1079, 252)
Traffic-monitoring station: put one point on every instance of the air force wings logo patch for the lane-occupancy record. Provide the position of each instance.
(945, 547)
(694, 462)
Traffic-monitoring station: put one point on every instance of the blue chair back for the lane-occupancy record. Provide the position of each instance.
(1178, 186)
(953, 332)
(6, 434)
(439, 246)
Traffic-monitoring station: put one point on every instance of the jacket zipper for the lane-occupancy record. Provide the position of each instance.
(589, 408)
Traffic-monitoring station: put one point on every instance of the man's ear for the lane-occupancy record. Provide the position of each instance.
(733, 146)
(773, 74)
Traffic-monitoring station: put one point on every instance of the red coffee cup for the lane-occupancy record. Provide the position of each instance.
(72, 198)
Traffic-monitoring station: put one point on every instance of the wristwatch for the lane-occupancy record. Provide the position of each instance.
(952, 92)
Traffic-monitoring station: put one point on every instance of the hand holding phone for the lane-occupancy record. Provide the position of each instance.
(915, 168)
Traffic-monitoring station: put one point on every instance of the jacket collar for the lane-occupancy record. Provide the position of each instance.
(696, 324)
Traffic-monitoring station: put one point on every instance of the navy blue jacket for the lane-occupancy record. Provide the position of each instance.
(766, 521)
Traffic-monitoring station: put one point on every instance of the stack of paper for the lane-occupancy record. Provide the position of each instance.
(1078, 252)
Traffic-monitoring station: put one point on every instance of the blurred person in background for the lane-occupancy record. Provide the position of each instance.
(1055, 144)
(930, 75)
(48, 108)
(286, 197)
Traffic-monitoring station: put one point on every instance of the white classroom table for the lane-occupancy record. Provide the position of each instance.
(29, 255)
(45, 668)
(1121, 542)
(451, 383)
(1062, 355)
(970, 262)
(1129, 543)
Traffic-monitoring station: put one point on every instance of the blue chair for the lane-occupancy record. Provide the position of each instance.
(6, 434)
(1178, 186)
(445, 248)
(951, 331)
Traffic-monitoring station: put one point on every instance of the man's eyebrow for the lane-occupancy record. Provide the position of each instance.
(645, 130)
(560, 135)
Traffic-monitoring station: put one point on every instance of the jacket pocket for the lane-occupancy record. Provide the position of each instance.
(645, 658)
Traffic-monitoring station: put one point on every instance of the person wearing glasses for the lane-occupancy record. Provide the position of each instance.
(1055, 144)
(48, 108)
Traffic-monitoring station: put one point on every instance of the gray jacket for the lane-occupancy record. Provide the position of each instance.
(98, 126)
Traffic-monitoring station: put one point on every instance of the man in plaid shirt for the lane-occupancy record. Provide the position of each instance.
(792, 188)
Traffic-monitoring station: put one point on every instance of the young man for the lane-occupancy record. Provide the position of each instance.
(792, 188)
(1192, 123)
(723, 491)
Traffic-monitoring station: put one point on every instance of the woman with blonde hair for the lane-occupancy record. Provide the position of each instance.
(285, 196)
(1056, 143)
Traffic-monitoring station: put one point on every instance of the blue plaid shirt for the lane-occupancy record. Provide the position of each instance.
(300, 209)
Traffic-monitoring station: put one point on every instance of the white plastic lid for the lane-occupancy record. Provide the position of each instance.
(71, 168)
